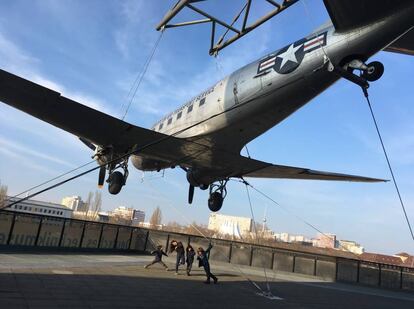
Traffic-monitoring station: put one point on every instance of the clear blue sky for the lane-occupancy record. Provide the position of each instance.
(92, 53)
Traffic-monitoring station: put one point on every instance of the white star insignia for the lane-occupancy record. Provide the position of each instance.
(289, 54)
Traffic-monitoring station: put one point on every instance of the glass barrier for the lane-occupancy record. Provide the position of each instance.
(123, 238)
(5, 224)
(139, 237)
(50, 232)
(108, 237)
(91, 235)
(72, 234)
(25, 230)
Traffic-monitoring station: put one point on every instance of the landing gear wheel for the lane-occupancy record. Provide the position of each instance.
(373, 72)
(116, 181)
(215, 201)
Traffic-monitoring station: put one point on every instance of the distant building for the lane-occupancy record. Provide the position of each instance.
(350, 246)
(230, 225)
(39, 208)
(138, 216)
(74, 202)
(325, 240)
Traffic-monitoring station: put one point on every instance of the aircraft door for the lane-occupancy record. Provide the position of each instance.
(246, 85)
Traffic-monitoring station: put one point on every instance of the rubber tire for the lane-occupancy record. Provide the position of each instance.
(215, 201)
(376, 74)
(116, 182)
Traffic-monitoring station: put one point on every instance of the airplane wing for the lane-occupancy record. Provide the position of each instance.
(97, 127)
(350, 14)
(290, 172)
(404, 45)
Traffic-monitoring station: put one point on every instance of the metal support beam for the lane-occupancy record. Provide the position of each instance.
(82, 235)
(116, 237)
(100, 235)
(239, 32)
(130, 238)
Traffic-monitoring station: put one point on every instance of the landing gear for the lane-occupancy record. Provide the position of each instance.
(370, 72)
(115, 182)
(117, 179)
(218, 192)
(373, 72)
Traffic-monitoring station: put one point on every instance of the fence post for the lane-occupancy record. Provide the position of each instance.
(230, 251)
(130, 238)
(100, 235)
(11, 229)
(251, 255)
(168, 240)
(116, 237)
(38, 231)
(62, 232)
(293, 263)
(273, 260)
(379, 274)
(358, 267)
(401, 277)
(315, 261)
(82, 235)
(146, 242)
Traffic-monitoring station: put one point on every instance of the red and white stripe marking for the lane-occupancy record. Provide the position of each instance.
(318, 41)
(267, 64)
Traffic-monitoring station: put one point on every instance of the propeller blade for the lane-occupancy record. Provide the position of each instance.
(190, 194)
(101, 179)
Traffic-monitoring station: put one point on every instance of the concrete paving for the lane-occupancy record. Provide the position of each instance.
(120, 281)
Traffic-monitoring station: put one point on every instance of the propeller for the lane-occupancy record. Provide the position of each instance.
(101, 179)
(190, 194)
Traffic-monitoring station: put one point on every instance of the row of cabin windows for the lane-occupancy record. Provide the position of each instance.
(180, 113)
(36, 209)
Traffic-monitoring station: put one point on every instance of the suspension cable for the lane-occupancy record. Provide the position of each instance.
(293, 214)
(255, 231)
(388, 162)
(140, 77)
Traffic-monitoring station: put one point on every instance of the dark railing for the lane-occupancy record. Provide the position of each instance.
(18, 230)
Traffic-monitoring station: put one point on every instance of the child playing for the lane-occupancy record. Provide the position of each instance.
(158, 257)
(203, 261)
(190, 258)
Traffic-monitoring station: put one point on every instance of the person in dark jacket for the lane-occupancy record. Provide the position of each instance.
(202, 257)
(190, 258)
(179, 248)
(158, 258)
(180, 256)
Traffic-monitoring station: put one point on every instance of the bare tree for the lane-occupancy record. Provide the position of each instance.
(87, 205)
(95, 205)
(156, 218)
(3, 195)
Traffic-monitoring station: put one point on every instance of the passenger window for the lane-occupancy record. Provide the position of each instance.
(169, 121)
(160, 127)
(202, 101)
(179, 115)
(190, 108)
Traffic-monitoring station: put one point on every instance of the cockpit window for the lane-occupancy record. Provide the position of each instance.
(202, 101)
(169, 121)
(179, 115)
(160, 127)
(190, 108)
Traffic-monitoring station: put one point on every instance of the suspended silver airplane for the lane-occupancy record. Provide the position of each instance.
(205, 136)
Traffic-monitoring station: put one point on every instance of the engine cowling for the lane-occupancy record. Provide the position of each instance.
(145, 164)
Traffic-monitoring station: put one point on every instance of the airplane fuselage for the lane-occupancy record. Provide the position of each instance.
(263, 93)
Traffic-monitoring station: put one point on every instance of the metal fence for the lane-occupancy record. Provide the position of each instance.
(18, 230)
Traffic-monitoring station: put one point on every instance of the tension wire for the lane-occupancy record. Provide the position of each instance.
(388, 161)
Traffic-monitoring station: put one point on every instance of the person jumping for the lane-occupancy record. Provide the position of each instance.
(158, 257)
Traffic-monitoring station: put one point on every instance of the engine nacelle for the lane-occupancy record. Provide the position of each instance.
(145, 164)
